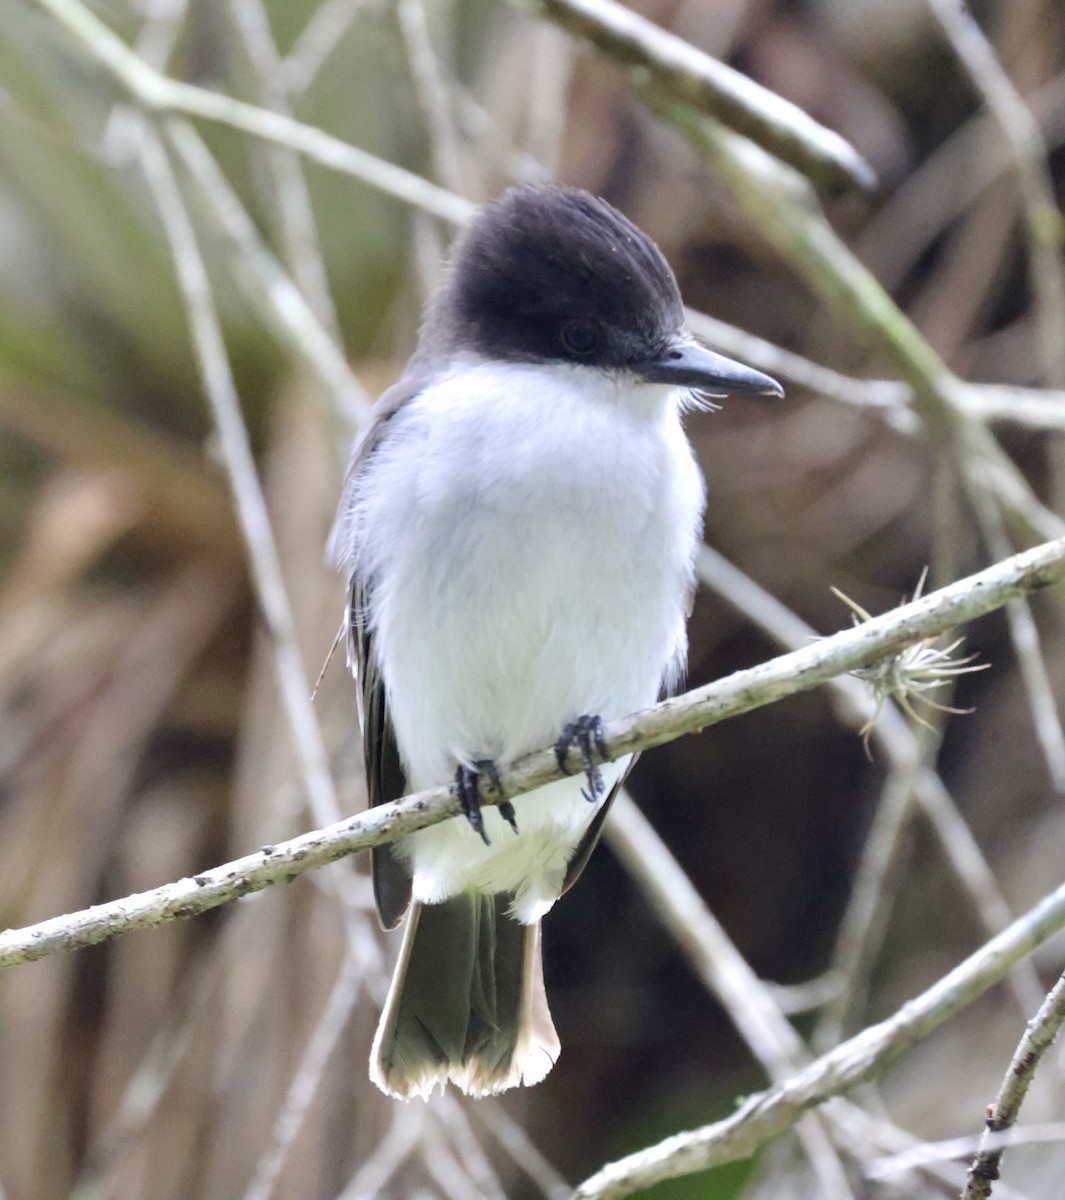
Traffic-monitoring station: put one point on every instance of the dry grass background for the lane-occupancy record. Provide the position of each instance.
(141, 733)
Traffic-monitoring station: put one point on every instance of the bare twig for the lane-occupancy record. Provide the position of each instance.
(432, 95)
(389, 1155)
(704, 943)
(679, 72)
(751, 1003)
(528, 1157)
(741, 692)
(154, 44)
(318, 39)
(770, 1113)
(861, 930)
(784, 209)
(888, 399)
(289, 193)
(1043, 219)
(895, 742)
(1024, 635)
(158, 94)
(305, 1081)
(240, 466)
(1041, 1032)
(267, 284)
(948, 181)
(722, 968)
(928, 1153)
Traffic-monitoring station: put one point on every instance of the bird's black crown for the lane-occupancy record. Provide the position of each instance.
(554, 274)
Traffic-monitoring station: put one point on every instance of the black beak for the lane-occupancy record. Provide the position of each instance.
(684, 363)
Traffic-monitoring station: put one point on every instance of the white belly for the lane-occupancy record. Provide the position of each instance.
(531, 565)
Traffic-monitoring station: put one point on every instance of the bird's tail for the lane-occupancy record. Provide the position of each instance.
(467, 1003)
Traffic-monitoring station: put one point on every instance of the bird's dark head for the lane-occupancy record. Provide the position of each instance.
(554, 274)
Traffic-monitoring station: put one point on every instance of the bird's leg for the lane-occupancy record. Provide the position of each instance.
(466, 785)
(585, 732)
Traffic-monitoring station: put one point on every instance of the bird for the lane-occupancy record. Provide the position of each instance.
(517, 529)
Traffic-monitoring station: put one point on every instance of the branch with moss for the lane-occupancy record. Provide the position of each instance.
(865, 644)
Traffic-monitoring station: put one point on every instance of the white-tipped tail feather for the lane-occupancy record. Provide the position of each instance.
(467, 1004)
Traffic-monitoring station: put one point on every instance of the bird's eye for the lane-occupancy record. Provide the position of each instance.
(579, 338)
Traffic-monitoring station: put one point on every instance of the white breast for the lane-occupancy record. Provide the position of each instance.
(530, 531)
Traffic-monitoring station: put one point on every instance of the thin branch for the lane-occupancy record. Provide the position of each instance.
(304, 1085)
(782, 206)
(1024, 637)
(888, 399)
(289, 195)
(158, 94)
(154, 43)
(240, 466)
(892, 739)
(388, 1156)
(927, 1153)
(266, 282)
(1040, 1033)
(860, 934)
(525, 1154)
(1036, 408)
(741, 692)
(679, 72)
(708, 949)
(323, 32)
(770, 1113)
(432, 95)
(751, 1003)
(1043, 220)
(722, 968)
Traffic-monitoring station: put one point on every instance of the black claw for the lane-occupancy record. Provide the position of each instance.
(485, 766)
(467, 781)
(569, 733)
(466, 789)
(584, 733)
(599, 737)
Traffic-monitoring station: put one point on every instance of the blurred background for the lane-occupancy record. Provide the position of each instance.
(142, 737)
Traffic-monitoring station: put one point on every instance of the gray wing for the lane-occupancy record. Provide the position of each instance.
(385, 778)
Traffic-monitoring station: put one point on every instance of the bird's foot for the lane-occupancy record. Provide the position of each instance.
(467, 780)
(584, 733)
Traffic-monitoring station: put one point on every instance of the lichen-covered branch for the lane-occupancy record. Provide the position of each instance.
(771, 1112)
(741, 692)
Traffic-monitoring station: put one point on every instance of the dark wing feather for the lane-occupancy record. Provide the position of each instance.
(385, 778)
(587, 843)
